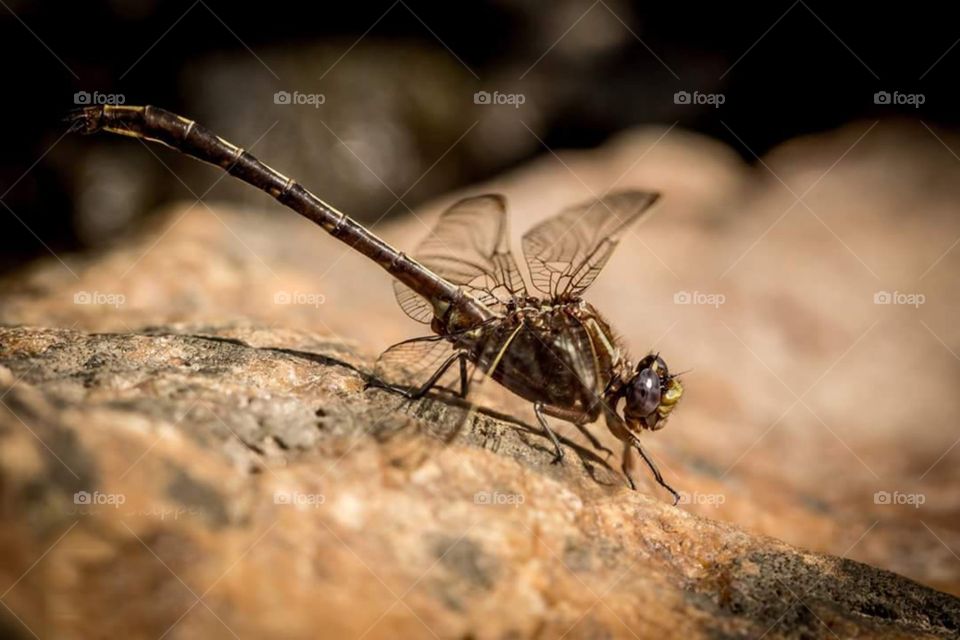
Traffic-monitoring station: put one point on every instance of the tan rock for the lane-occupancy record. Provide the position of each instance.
(291, 505)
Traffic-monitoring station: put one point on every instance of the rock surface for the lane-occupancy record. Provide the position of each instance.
(184, 369)
(215, 481)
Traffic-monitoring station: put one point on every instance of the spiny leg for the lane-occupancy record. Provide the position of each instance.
(558, 452)
(656, 472)
(630, 442)
(464, 377)
(431, 382)
(464, 389)
(425, 388)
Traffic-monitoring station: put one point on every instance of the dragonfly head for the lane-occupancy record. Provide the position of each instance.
(651, 394)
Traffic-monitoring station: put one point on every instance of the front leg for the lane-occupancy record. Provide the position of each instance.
(653, 468)
(631, 442)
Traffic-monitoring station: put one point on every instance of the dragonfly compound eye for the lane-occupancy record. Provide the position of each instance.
(644, 396)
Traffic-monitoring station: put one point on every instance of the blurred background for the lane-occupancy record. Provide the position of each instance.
(397, 80)
(803, 262)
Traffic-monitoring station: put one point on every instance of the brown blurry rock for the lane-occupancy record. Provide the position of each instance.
(217, 481)
(806, 399)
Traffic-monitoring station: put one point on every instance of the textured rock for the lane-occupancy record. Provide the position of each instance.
(250, 469)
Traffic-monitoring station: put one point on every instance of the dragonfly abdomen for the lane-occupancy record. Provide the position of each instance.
(184, 135)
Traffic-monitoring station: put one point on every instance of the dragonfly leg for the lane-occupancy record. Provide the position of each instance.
(464, 377)
(425, 388)
(656, 472)
(558, 452)
(631, 442)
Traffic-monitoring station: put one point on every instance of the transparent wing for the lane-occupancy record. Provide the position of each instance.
(411, 363)
(412, 303)
(470, 247)
(567, 252)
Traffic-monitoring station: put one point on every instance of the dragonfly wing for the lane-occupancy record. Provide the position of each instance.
(412, 303)
(411, 363)
(567, 252)
(470, 247)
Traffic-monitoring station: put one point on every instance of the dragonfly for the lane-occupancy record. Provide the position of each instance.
(535, 336)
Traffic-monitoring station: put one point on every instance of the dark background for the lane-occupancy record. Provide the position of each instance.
(809, 66)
